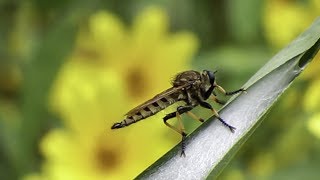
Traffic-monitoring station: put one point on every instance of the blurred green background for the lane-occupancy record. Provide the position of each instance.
(70, 69)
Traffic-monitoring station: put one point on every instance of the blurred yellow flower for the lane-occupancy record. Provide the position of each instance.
(314, 125)
(312, 105)
(284, 20)
(112, 69)
(312, 97)
(143, 56)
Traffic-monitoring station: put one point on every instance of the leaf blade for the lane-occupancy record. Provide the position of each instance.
(211, 146)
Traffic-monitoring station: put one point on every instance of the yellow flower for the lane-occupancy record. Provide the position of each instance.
(312, 105)
(112, 69)
(312, 97)
(283, 21)
(142, 57)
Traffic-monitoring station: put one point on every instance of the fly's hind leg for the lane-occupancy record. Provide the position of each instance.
(180, 130)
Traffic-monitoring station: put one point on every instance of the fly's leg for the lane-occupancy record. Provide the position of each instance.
(232, 129)
(180, 130)
(180, 110)
(230, 93)
(215, 99)
(195, 117)
(187, 109)
(183, 133)
(208, 106)
(169, 116)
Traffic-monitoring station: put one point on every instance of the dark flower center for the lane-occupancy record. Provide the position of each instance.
(136, 82)
(106, 159)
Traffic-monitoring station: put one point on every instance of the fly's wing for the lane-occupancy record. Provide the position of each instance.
(163, 94)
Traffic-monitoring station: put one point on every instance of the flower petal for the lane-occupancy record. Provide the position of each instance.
(108, 35)
(181, 48)
(107, 28)
(150, 26)
(281, 16)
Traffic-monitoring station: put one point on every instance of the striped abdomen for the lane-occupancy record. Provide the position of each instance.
(149, 108)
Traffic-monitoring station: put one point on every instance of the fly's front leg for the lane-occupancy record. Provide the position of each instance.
(210, 93)
(230, 93)
(208, 106)
(207, 94)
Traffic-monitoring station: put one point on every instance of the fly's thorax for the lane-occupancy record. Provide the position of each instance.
(195, 89)
(186, 77)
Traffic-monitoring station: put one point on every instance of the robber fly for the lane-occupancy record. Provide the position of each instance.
(191, 87)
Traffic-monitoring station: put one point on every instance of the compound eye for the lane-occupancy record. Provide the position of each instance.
(210, 75)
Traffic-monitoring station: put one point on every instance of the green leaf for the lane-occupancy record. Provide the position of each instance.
(38, 78)
(53, 48)
(210, 148)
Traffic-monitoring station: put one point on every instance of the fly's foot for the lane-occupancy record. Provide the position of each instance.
(232, 129)
(235, 92)
(183, 144)
(243, 90)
